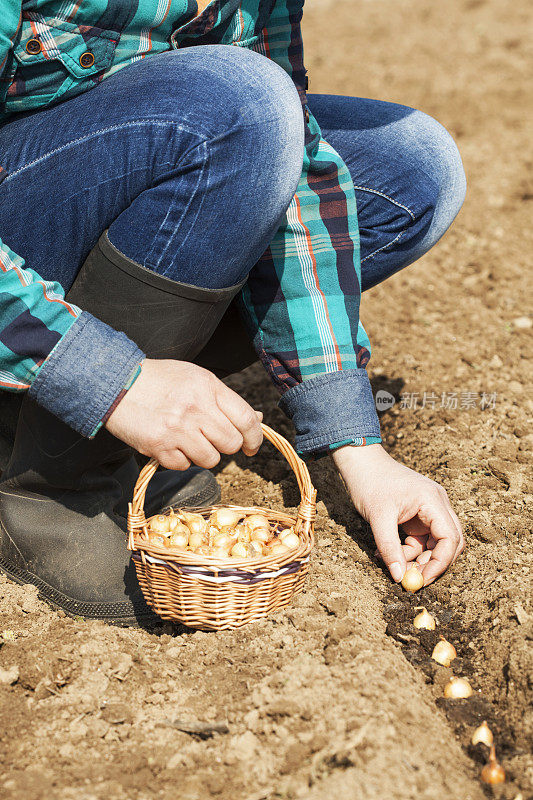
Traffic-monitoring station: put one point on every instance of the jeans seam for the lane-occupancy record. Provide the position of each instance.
(92, 135)
(394, 202)
(383, 247)
(386, 196)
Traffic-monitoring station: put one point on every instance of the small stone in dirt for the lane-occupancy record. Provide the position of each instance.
(501, 469)
(295, 755)
(97, 727)
(30, 605)
(121, 663)
(67, 750)
(215, 784)
(8, 636)
(485, 531)
(283, 708)
(522, 323)
(252, 720)
(506, 450)
(9, 676)
(202, 729)
(521, 614)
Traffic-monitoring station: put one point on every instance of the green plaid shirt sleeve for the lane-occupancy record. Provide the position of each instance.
(34, 317)
(33, 313)
(301, 303)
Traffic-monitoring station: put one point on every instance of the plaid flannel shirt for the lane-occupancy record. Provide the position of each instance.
(301, 302)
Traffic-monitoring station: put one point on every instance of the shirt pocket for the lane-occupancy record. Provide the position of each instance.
(54, 55)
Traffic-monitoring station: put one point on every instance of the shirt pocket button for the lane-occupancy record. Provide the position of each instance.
(33, 47)
(86, 60)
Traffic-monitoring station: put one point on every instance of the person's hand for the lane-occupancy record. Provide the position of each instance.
(388, 494)
(180, 414)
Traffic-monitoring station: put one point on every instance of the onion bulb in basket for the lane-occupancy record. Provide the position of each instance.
(223, 540)
(196, 540)
(195, 522)
(158, 539)
(225, 517)
(239, 550)
(243, 533)
(277, 549)
(160, 523)
(257, 521)
(179, 539)
(291, 541)
(255, 549)
(260, 535)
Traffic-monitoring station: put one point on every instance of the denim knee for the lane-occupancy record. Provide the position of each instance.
(237, 91)
(268, 108)
(226, 156)
(438, 171)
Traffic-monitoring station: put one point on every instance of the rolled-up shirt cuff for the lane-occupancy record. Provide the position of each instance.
(332, 408)
(85, 373)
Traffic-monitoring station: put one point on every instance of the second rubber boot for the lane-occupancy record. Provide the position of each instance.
(60, 492)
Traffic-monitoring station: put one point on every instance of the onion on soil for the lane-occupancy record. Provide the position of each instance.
(444, 652)
(457, 688)
(424, 620)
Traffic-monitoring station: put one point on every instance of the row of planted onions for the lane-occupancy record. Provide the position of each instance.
(227, 534)
(459, 688)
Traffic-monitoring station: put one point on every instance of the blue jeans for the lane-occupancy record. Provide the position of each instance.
(150, 155)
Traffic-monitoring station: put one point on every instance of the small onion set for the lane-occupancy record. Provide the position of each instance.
(226, 534)
(459, 688)
(413, 580)
(424, 620)
(483, 735)
(444, 652)
(493, 772)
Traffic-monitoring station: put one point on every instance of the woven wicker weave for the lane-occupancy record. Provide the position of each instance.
(214, 594)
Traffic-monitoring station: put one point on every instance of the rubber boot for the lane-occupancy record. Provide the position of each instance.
(59, 527)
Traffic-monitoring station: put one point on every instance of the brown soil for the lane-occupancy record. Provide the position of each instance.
(336, 695)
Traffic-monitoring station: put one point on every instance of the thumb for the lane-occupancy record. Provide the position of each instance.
(385, 529)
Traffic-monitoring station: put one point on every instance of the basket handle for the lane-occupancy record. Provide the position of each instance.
(306, 511)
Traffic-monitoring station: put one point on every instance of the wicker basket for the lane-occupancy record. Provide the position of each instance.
(214, 594)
